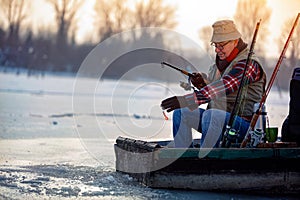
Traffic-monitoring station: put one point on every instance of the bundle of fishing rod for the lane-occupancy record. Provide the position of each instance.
(253, 136)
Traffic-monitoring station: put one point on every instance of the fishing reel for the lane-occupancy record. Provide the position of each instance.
(230, 136)
(256, 137)
(186, 85)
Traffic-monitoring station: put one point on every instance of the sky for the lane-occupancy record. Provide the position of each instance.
(192, 15)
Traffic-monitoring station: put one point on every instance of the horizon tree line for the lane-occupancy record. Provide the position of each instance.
(58, 50)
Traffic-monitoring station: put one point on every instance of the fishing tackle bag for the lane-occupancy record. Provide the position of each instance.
(290, 131)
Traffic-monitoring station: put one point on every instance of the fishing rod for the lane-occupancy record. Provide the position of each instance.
(182, 71)
(230, 133)
(176, 68)
(265, 95)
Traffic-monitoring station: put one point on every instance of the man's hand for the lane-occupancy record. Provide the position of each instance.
(199, 80)
(173, 103)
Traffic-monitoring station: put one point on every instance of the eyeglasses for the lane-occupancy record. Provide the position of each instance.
(220, 46)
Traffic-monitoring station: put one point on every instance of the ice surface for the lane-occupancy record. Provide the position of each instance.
(57, 145)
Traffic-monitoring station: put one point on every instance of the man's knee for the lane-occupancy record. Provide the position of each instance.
(208, 114)
(181, 113)
(213, 117)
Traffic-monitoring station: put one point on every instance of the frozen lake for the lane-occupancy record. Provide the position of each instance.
(57, 141)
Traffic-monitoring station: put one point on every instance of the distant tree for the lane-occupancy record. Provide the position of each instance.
(154, 13)
(15, 13)
(292, 56)
(2, 37)
(113, 16)
(293, 51)
(65, 16)
(205, 34)
(247, 15)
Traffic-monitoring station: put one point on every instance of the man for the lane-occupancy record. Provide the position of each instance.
(219, 90)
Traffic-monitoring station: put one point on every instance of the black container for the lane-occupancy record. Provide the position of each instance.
(291, 126)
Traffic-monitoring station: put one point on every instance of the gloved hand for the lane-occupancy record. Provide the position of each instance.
(173, 103)
(199, 80)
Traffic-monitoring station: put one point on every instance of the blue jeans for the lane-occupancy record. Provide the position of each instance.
(210, 123)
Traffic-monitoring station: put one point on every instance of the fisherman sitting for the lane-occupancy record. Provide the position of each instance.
(219, 91)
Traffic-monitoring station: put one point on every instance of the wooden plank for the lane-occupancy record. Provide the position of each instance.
(278, 145)
(271, 182)
(229, 154)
